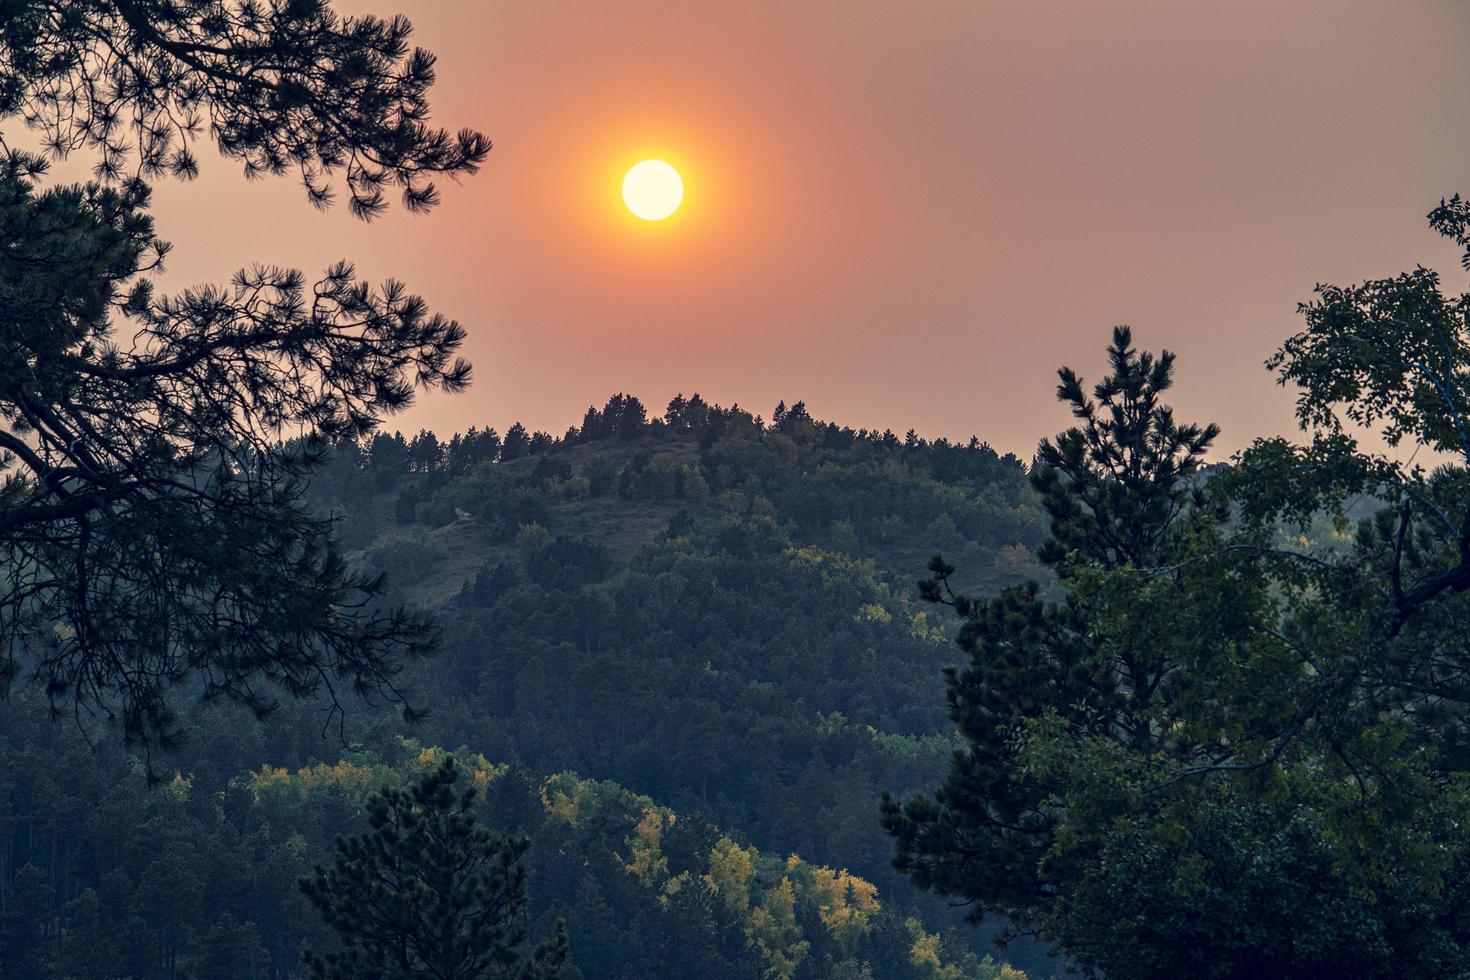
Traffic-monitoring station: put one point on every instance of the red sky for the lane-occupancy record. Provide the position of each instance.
(905, 213)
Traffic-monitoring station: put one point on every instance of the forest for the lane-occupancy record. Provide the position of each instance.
(691, 692)
(709, 613)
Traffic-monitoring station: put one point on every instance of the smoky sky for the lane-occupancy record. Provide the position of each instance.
(906, 214)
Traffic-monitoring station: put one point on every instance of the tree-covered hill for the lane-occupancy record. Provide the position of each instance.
(197, 878)
(711, 610)
(709, 619)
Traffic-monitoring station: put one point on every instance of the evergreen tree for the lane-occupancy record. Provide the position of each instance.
(516, 444)
(425, 453)
(633, 419)
(1112, 486)
(674, 413)
(25, 922)
(1229, 751)
(151, 528)
(428, 893)
(591, 425)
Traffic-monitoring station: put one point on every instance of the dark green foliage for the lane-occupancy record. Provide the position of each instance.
(714, 650)
(711, 650)
(623, 417)
(490, 583)
(1237, 748)
(198, 877)
(567, 563)
(602, 476)
(516, 444)
(230, 949)
(427, 892)
(152, 533)
(26, 921)
(1114, 485)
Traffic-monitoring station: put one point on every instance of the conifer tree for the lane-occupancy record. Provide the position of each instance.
(1236, 746)
(152, 533)
(1113, 486)
(428, 893)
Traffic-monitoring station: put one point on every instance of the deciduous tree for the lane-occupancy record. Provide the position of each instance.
(1235, 748)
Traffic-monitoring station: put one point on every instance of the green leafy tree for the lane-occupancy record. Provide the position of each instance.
(1233, 749)
(151, 528)
(428, 893)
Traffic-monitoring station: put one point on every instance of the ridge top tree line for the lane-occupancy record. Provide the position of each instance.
(1236, 747)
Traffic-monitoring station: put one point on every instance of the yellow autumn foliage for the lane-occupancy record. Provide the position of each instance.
(844, 902)
(925, 952)
(773, 931)
(647, 862)
(731, 869)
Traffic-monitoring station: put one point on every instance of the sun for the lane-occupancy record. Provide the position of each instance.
(653, 190)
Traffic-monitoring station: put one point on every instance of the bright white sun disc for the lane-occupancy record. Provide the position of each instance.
(653, 190)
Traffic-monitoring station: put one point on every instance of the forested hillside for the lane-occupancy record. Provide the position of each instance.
(709, 619)
(691, 692)
(714, 612)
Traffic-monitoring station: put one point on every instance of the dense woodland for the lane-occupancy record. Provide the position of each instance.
(287, 695)
(684, 655)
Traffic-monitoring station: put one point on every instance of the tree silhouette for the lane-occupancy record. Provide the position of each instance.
(151, 528)
(1237, 747)
(1114, 486)
(428, 893)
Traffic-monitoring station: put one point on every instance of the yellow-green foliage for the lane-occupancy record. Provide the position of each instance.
(884, 608)
(845, 904)
(731, 870)
(772, 928)
(270, 785)
(647, 862)
(179, 787)
(990, 970)
(922, 627)
(925, 952)
(361, 774)
(571, 799)
(905, 747)
(838, 566)
(1017, 563)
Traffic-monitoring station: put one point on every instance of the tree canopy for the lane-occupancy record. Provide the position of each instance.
(1236, 746)
(152, 532)
(427, 892)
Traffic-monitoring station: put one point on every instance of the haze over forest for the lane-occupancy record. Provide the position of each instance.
(888, 206)
(724, 526)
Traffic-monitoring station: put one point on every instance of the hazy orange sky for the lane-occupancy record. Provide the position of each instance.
(907, 214)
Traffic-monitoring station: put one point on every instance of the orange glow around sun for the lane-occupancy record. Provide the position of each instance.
(596, 153)
(570, 205)
(667, 184)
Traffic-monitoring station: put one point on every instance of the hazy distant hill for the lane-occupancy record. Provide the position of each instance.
(708, 609)
(708, 619)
